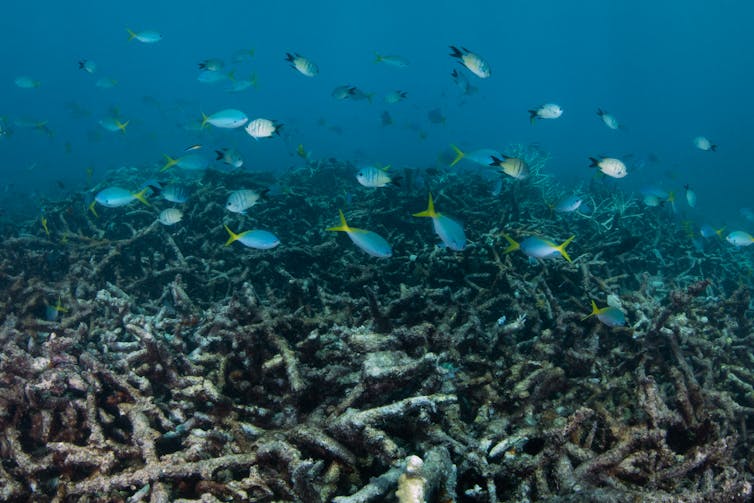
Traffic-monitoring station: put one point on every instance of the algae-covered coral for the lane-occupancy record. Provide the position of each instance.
(143, 362)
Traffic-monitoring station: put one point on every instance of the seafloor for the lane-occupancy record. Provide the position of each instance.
(177, 369)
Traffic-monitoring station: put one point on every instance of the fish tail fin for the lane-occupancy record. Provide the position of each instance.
(377, 57)
(459, 155)
(595, 310)
(205, 118)
(289, 57)
(343, 225)
(430, 211)
(170, 162)
(232, 236)
(456, 52)
(532, 116)
(513, 245)
(220, 154)
(719, 231)
(562, 248)
(253, 80)
(141, 195)
(594, 162)
(122, 125)
(131, 34)
(91, 208)
(713, 147)
(495, 161)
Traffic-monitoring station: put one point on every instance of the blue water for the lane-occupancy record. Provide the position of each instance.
(669, 71)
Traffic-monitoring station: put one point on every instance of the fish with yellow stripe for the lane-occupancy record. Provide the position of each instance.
(371, 242)
(537, 247)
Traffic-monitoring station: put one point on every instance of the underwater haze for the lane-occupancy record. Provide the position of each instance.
(376, 251)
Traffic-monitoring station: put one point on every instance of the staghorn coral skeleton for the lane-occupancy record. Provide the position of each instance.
(182, 370)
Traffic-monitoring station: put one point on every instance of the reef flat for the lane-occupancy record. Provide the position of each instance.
(142, 362)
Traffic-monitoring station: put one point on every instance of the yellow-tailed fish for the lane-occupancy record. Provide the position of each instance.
(113, 124)
(371, 242)
(145, 37)
(449, 229)
(230, 118)
(609, 315)
(739, 238)
(538, 248)
(483, 157)
(114, 197)
(391, 60)
(256, 238)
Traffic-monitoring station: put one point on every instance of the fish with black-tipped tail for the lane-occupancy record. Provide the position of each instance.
(475, 63)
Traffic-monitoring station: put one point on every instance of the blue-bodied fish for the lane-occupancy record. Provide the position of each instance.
(189, 162)
(145, 37)
(511, 166)
(114, 197)
(212, 65)
(449, 229)
(170, 216)
(176, 193)
(240, 85)
(230, 118)
(256, 238)
(546, 111)
(87, 65)
(25, 82)
(302, 65)
(343, 92)
(740, 238)
(106, 83)
(230, 156)
(609, 120)
(538, 247)
(707, 231)
(609, 315)
(113, 124)
(483, 157)
(391, 60)
(568, 204)
(371, 242)
(241, 200)
(263, 128)
(371, 176)
(475, 63)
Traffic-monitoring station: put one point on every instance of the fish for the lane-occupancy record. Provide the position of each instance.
(747, 213)
(483, 157)
(87, 65)
(343, 92)
(302, 152)
(739, 238)
(52, 313)
(395, 96)
(450, 230)
(475, 63)
(690, 196)
(608, 119)
(229, 118)
(609, 315)
(436, 116)
(241, 200)
(114, 197)
(568, 204)
(610, 166)
(196, 146)
(230, 156)
(25, 82)
(106, 83)
(170, 216)
(145, 37)
(113, 124)
(463, 83)
(707, 231)
(301, 64)
(702, 143)
(210, 77)
(240, 85)
(357, 94)
(538, 248)
(212, 65)
(371, 176)
(256, 238)
(391, 60)
(546, 111)
(371, 242)
(263, 128)
(189, 162)
(511, 166)
(175, 193)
